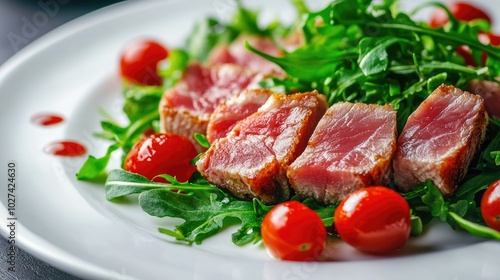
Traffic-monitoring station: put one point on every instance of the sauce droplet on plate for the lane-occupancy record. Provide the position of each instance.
(45, 119)
(66, 149)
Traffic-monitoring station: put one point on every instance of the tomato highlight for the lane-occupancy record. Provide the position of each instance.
(139, 62)
(490, 205)
(162, 153)
(461, 11)
(374, 220)
(291, 231)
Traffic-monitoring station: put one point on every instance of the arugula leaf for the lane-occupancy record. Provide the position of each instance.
(203, 217)
(124, 138)
(205, 36)
(496, 157)
(460, 209)
(417, 226)
(490, 155)
(205, 208)
(178, 60)
(122, 183)
(245, 21)
(140, 100)
(212, 32)
(478, 183)
(319, 62)
(324, 212)
(474, 228)
(488, 167)
(301, 7)
(94, 166)
(202, 140)
(435, 201)
(373, 57)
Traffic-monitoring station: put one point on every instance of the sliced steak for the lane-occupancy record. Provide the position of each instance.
(351, 148)
(490, 92)
(236, 53)
(233, 110)
(251, 160)
(440, 139)
(185, 109)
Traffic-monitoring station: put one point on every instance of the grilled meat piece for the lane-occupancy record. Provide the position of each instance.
(490, 92)
(233, 110)
(351, 148)
(185, 109)
(251, 160)
(440, 139)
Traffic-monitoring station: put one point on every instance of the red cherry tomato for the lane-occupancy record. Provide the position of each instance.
(493, 39)
(465, 53)
(373, 219)
(139, 62)
(488, 38)
(291, 231)
(162, 154)
(462, 11)
(490, 205)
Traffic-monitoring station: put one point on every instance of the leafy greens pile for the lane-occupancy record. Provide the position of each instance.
(354, 51)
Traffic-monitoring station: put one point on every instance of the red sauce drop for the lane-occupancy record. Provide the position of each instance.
(44, 119)
(66, 149)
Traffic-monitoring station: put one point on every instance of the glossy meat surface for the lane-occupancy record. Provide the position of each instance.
(233, 110)
(440, 139)
(251, 161)
(352, 147)
(185, 109)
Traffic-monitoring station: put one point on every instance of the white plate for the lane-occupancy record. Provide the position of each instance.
(69, 224)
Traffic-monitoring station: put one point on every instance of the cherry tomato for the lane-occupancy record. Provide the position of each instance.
(139, 62)
(373, 219)
(465, 53)
(490, 205)
(291, 231)
(162, 154)
(462, 11)
(485, 38)
(488, 38)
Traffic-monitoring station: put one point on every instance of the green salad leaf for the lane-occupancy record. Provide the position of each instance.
(358, 51)
(346, 56)
(204, 215)
(212, 32)
(205, 209)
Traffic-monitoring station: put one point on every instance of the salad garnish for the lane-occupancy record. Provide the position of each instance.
(355, 51)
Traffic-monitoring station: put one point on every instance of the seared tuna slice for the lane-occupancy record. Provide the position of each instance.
(251, 160)
(246, 168)
(185, 109)
(490, 92)
(236, 53)
(233, 110)
(440, 139)
(351, 148)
